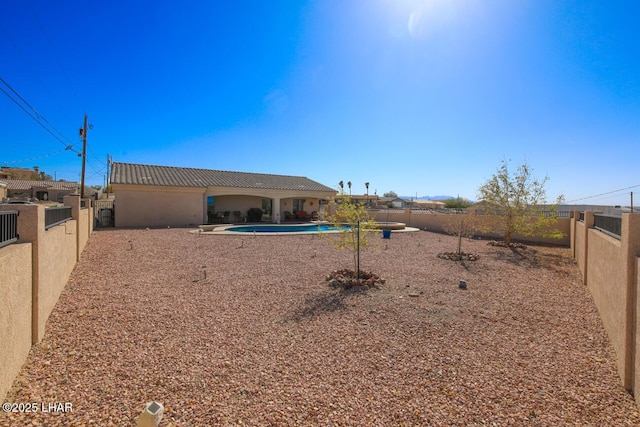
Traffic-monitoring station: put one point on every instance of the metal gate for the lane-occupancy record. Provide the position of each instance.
(104, 213)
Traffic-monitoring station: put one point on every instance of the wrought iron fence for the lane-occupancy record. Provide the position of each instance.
(8, 227)
(611, 225)
(55, 216)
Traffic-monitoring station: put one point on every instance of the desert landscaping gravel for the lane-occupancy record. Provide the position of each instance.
(245, 330)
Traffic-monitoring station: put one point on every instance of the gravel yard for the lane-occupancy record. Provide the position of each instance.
(244, 330)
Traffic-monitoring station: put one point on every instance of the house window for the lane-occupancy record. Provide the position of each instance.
(42, 195)
(298, 205)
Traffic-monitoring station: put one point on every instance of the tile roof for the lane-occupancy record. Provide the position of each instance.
(28, 184)
(129, 173)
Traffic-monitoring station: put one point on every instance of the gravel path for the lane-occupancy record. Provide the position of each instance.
(233, 330)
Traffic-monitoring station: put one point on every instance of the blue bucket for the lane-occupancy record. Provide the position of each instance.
(386, 234)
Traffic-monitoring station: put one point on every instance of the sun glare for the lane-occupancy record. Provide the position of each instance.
(428, 16)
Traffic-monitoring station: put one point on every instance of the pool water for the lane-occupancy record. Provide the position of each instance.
(276, 228)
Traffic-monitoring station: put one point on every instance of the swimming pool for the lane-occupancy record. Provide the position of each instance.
(275, 229)
(289, 228)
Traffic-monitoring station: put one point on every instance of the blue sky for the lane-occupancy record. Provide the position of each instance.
(422, 97)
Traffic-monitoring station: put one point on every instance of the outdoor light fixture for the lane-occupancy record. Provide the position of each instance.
(152, 415)
(462, 284)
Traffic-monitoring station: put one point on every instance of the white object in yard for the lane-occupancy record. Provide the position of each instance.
(152, 415)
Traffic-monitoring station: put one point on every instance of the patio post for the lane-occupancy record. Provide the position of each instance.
(275, 210)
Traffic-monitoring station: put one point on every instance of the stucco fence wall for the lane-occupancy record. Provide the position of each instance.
(33, 273)
(610, 269)
(15, 311)
(438, 222)
(578, 246)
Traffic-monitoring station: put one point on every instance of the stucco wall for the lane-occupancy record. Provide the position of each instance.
(57, 257)
(580, 246)
(437, 222)
(636, 379)
(85, 223)
(15, 311)
(606, 270)
(33, 274)
(159, 207)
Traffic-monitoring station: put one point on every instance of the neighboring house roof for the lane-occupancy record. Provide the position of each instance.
(391, 199)
(429, 202)
(136, 174)
(28, 184)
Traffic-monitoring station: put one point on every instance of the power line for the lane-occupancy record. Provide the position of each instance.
(604, 194)
(37, 117)
(31, 158)
(96, 157)
(40, 116)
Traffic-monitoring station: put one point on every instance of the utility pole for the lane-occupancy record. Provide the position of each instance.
(108, 177)
(83, 134)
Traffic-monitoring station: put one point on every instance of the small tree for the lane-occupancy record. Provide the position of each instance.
(460, 225)
(519, 201)
(355, 225)
(390, 194)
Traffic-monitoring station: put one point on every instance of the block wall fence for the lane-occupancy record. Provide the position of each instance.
(33, 272)
(609, 265)
(610, 269)
(35, 269)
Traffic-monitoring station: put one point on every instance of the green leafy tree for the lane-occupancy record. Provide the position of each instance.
(390, 194)
(519, 201)
(457, 203)
(355, 227)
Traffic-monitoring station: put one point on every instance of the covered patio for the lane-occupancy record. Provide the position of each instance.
(149, 196)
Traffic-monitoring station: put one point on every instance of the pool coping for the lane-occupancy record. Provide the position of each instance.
(221, 229)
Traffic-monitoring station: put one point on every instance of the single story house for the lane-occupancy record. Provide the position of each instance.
(392, 202)
(153, 196)
(429, 204)
(29, 189)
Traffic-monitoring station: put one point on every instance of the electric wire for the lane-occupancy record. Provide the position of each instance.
(603, 194)
(30, 159)
(102, 162)
(67, 147)
(37, 113)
